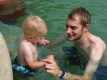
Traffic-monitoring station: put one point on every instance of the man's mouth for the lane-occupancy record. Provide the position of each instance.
(69, 36)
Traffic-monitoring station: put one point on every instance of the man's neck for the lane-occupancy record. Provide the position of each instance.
(83, 41)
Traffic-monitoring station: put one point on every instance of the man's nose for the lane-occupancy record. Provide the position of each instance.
(68, 30)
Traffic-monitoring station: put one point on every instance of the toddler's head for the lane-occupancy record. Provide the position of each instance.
(34, 26)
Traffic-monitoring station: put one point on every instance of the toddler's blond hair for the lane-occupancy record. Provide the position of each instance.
(34, 26)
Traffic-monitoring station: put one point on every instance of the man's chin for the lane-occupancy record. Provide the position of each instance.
(70, 39)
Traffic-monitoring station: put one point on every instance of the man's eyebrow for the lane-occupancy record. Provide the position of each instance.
(70, 26)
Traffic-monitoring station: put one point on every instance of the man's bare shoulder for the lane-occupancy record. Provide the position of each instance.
(99, 53)
(97, 49)
(97, 41)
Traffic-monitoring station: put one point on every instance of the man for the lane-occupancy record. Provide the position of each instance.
(90, 48)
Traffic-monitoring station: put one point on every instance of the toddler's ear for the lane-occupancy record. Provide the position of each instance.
(30, 37)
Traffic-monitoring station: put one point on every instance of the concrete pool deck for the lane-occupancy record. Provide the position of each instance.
(5, 61)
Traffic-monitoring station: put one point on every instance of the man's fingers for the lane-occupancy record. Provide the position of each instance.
(50, 66)
(48, 61)
(49, 71)
(51, 57)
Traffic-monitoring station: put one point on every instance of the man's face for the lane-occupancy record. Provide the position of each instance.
(74, 29)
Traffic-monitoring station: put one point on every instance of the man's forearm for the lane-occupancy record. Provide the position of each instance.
(69, 76)
(59, 40)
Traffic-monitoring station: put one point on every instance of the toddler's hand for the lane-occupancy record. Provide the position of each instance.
(44, 42)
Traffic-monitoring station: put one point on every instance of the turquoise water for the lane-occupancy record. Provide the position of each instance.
(54, 13)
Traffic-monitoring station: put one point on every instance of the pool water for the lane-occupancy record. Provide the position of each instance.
(54, 13)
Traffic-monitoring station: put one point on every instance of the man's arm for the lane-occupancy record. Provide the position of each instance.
(52, 67)
(59, 40)
(86, 76)
(96, 53)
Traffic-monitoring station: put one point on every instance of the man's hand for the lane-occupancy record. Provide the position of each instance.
(51, 66)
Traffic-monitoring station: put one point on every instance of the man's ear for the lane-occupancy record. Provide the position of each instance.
(86, 27)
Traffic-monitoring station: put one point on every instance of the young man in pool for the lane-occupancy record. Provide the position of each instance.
(90, 48)
(34, 31)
